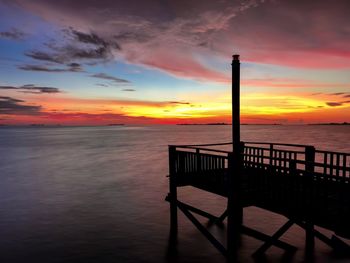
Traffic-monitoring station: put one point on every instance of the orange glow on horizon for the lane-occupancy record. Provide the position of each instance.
(255, 108)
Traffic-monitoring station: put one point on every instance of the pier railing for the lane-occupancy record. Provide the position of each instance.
(290, 179)
(277, 157)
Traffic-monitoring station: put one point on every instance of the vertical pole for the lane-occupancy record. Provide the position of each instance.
(310, 159)
(172, 189)
(234, 207)
(309, 168)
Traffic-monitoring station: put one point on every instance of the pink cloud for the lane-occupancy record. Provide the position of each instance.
(307, 34)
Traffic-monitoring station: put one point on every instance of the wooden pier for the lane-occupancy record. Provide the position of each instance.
(309, 187)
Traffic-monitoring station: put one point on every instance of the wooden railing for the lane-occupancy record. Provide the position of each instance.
(280, 158)
(295, 180)
(308, 173)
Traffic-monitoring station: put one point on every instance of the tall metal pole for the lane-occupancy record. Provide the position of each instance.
(234, 207)
(236, 133)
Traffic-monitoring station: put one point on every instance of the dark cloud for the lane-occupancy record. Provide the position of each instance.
(92, 39)
(334, 104)
(338, 93)
(40, 55)
(13, 34)
(72, 67)
(40, 68)
(101, 84)
(30, 88)
(346, 96)
(75, 67)
(128, 90)
(174, 35)
(109, 77)
(179, 102)
(9, 106)
(86, 47)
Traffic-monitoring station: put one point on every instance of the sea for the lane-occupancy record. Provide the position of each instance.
(96, 194)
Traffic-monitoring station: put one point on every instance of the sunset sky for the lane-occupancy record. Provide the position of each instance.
(168, 61)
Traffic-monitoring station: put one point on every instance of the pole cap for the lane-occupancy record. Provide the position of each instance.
(235, 57)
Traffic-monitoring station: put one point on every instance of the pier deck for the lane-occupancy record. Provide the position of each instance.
(308, 186)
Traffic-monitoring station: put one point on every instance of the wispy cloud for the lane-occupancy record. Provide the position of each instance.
(71, 67)
(10, 106)
(170, 37)
(13, 33)
(334, 104)
(130, 90)
(78, 46)
(109, 77)
(30, 88)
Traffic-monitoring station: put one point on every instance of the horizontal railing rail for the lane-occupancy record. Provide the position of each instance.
(264, 154)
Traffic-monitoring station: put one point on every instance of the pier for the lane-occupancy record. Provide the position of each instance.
(309, 187)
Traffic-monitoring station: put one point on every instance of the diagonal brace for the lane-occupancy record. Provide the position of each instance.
(202, 229)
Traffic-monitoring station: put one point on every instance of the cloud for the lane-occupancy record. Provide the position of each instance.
(173, 36)
(334, 104)
(71, 67)
(92, 39)
(13, 34)
(12, 106)
(76, 46)
(179, 102)
(128, 90)
(75, 67)
(109, 77)
(173, 32)
(40, 55)
(30, 88)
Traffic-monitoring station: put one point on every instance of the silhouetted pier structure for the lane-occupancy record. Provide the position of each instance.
(309, 187)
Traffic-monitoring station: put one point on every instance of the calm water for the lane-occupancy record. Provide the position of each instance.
(96, 194)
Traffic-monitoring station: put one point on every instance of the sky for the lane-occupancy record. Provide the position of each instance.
(168, 61)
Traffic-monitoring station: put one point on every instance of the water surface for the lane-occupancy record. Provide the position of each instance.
(96, 194)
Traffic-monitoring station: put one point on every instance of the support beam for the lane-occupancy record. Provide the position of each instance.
(172, 189)
(195, 210)
(203, 230)
(223, 216)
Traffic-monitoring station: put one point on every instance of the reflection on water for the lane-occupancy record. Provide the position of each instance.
(96, 194)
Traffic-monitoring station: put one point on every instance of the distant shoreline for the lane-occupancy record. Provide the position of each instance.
(215, 123)
(2, 125)
(331, 123)
(224, 123)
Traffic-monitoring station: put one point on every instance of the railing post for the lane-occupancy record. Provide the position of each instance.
(198, 160)
(172, 188)
(271, 154)
(241, 148)
(309, 168)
